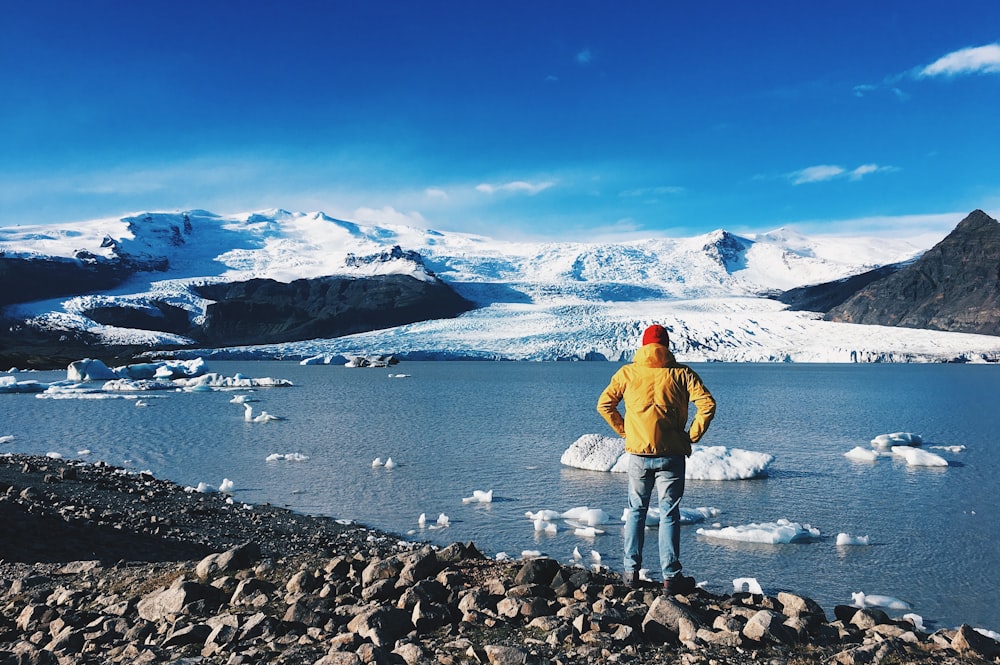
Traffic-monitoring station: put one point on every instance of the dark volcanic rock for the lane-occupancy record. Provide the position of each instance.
(25, 280)
(263, 311)
(824, 297)
(954, 286)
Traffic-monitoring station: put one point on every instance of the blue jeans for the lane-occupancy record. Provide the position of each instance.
(667, 475)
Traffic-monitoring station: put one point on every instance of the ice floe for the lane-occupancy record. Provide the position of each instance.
(288, 457)
(596, 452)
(479, 496)
(751, 584)
(688, 515)
(848, 539)
(904, 445)
(781, 531)
(861, 599)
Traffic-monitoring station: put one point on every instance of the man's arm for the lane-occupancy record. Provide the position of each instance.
(704, 402)
(607, 405)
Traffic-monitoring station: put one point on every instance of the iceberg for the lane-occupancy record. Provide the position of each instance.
(772, 533)
(596, 452)
(917, 457)
(887, 441)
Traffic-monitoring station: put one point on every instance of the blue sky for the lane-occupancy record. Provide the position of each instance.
(564, 119)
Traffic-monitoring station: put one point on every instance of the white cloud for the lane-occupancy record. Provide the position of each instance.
(585, 57)
(816, 174)
(389, 216)
(516, 186)
(972, 60)
(436, 193)
(824, 172)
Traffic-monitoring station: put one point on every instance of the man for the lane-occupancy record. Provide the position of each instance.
(657, 391)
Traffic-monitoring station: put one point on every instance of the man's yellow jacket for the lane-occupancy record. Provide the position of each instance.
(657, 390)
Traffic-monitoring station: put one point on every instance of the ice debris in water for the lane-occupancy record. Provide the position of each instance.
(848, 539)
(782, 531)
(862, 599)
(479, 496)
(887, 441)
(749, 582)
(596, 452)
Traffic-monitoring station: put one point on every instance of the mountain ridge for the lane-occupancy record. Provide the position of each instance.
(532, 300)
(953, 286)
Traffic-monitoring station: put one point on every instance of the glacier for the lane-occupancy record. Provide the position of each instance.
(535, 301)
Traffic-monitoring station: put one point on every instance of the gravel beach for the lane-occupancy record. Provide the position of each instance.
(102, 565)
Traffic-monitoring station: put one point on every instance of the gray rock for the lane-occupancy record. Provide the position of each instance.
(662, 621)
(768, 626)
(968, 640)
(176, 599)
(236, 558)
(382, 625)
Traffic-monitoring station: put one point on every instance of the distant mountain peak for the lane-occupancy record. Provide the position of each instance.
(954, 286)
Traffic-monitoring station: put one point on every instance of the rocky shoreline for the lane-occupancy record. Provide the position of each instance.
(101, 565)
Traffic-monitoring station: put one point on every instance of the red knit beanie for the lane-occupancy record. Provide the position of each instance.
(655, 334)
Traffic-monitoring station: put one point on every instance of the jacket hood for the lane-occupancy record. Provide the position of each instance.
(654, 355)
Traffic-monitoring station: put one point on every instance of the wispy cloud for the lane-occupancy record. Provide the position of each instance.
(651, 191)
(436, 193)
(816, 174)
(585, 57)
(824, 172)
(971, 60)
(516, 186)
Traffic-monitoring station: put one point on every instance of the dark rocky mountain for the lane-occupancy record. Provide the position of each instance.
(263, 311)
(824, 297)
(954, 286)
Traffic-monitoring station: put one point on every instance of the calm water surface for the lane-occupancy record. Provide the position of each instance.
(455, 427)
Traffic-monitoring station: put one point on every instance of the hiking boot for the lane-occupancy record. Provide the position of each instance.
(679, 584)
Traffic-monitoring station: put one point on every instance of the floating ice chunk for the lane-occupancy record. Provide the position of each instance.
(9, 438)
(377, 462)
(502, 556)
(262, 417)
(289, 457)
(781, 531)
(549, 528)
(141, 402)
(479, 496)
(594, 452)
(530, 554)
(422, 520)
(918, 622)
(589, 516)
(243, 399)
(595, 556)
(442, 520)
(688, 515)
(887, 441)
(226, 486)
(576, 553)
(604, 453)
(862, 454)
(588, 532)
(721, 463)
(399, 376)
(389, 464)
(89, 369)
(918, 457)
(85, 451)
(992, 634)
(54, 455)
(950, 449)
(547, 515)
(862, 599)
(848, 539)
(205, 488)
(751, 584)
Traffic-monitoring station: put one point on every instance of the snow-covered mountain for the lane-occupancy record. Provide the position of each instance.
(534, 300)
